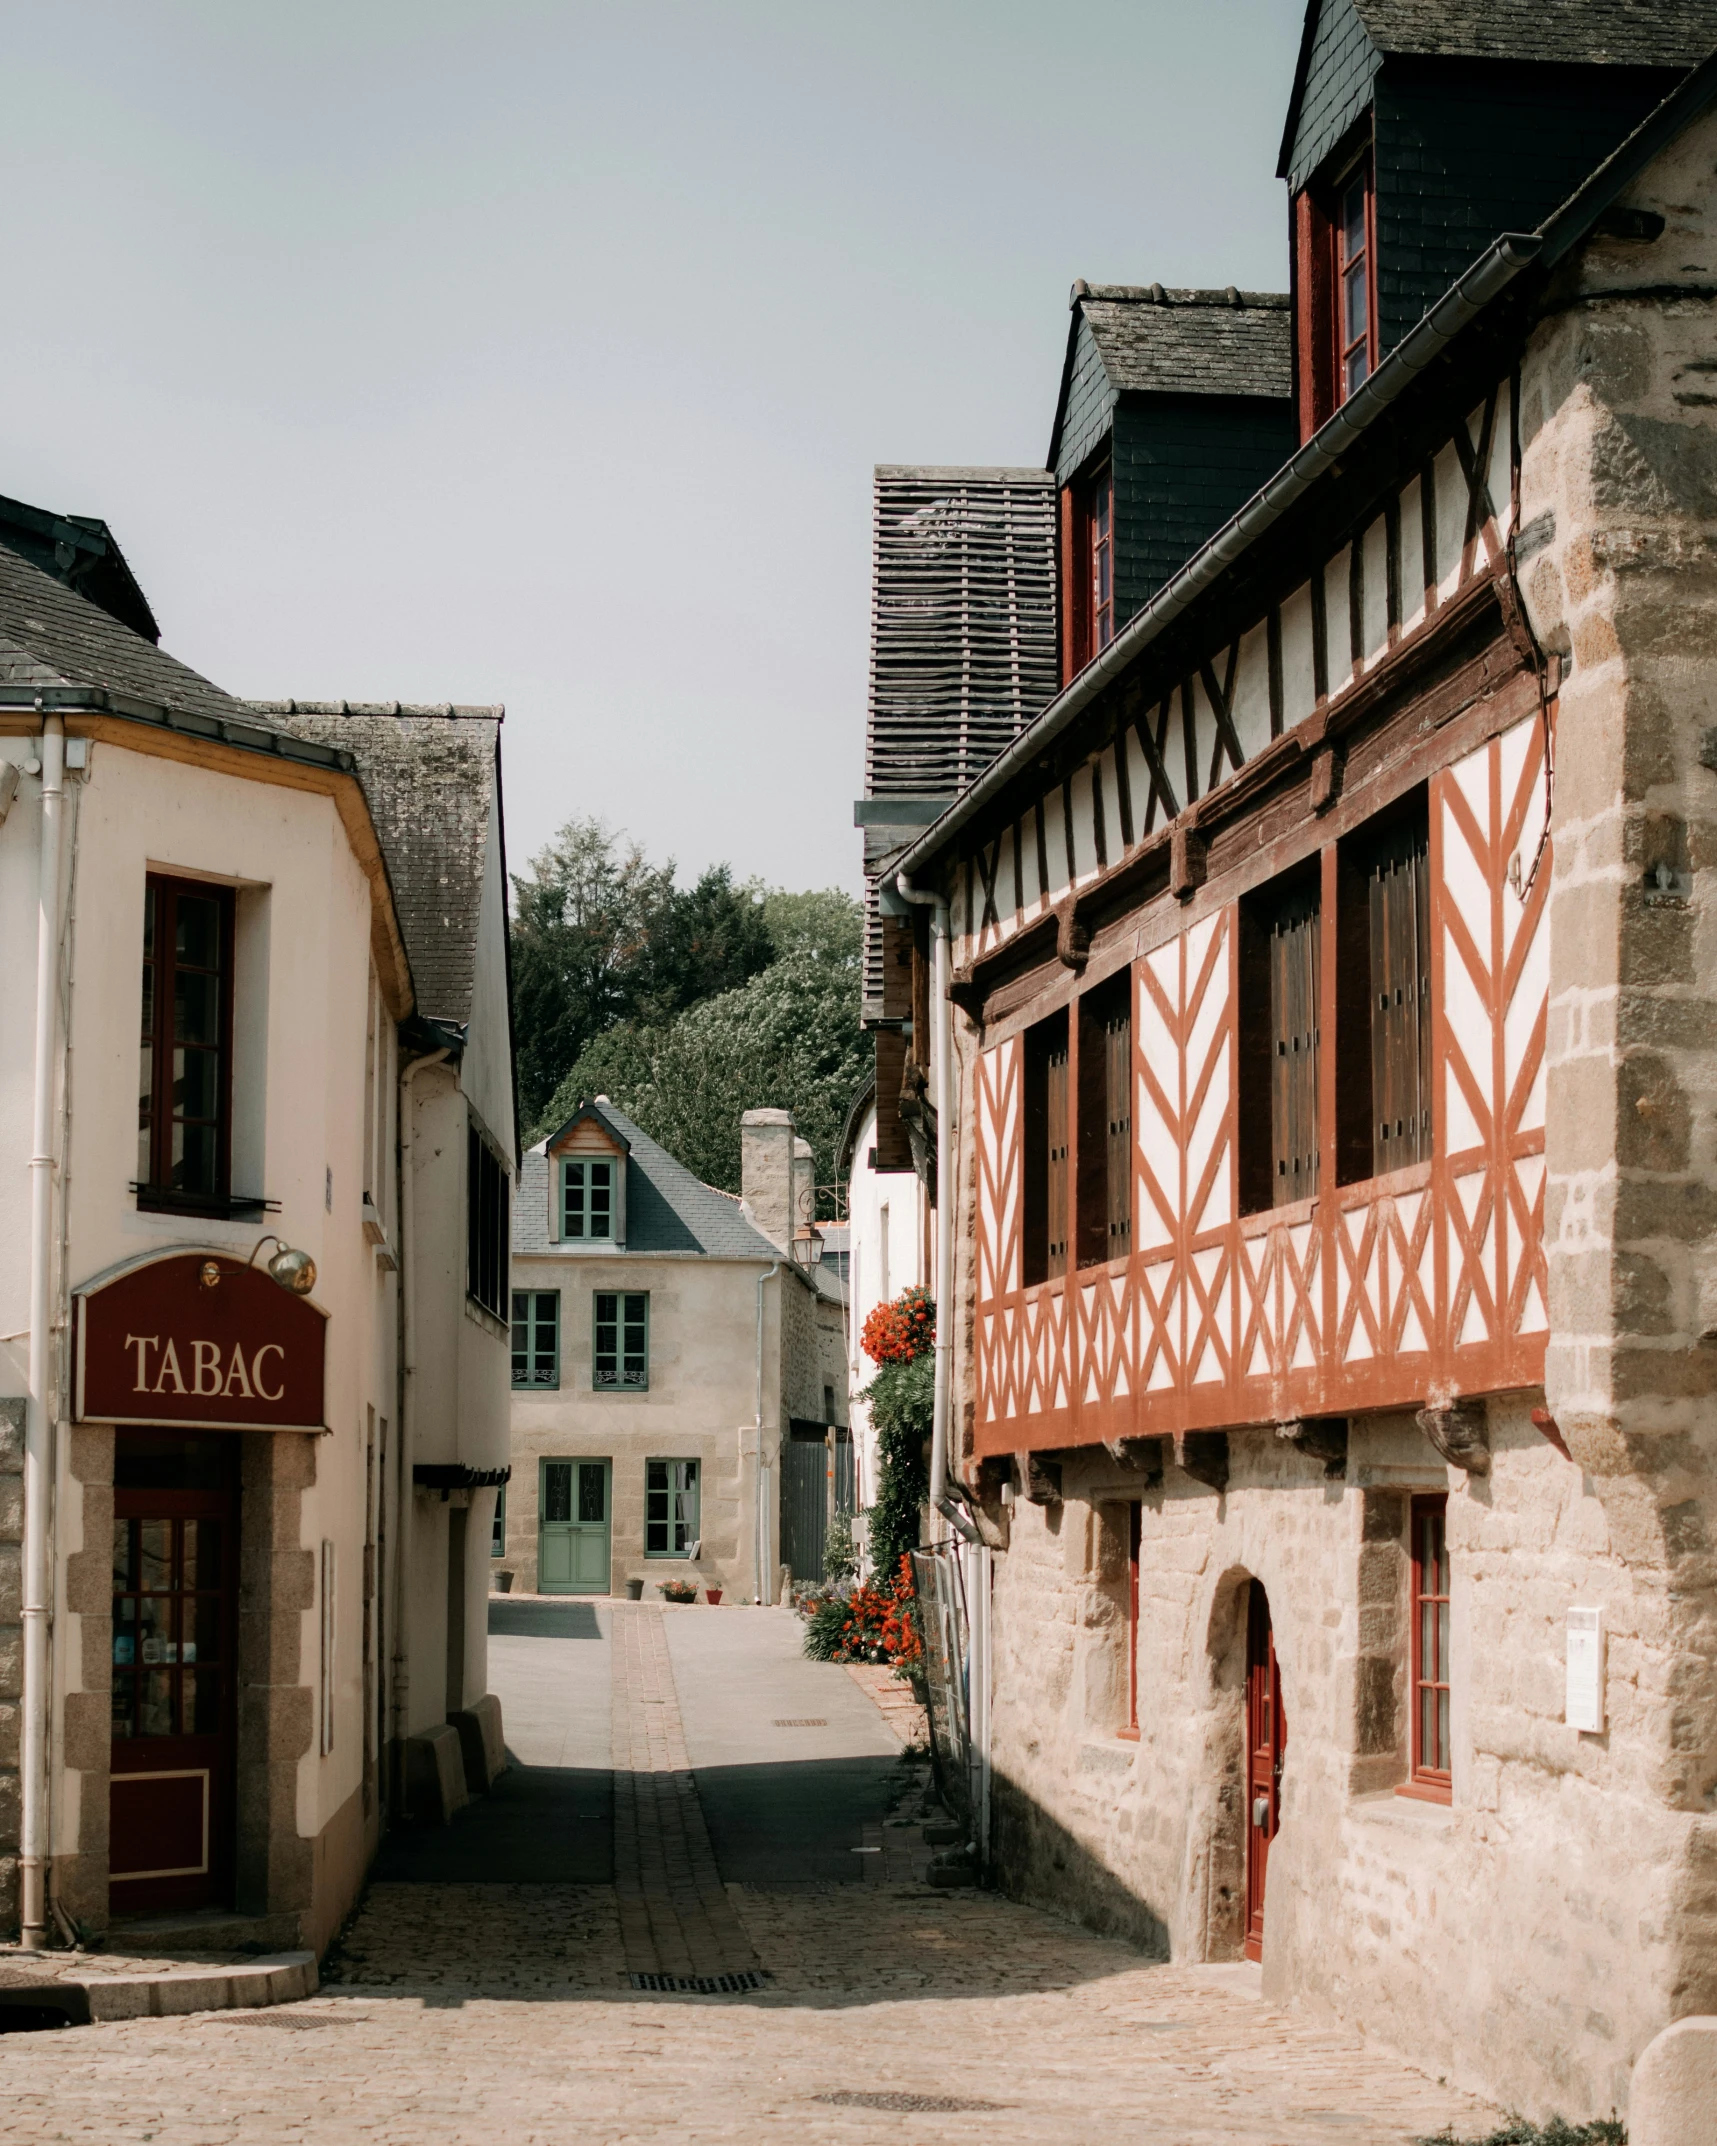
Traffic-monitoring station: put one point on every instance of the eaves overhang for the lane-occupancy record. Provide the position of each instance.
(220, 730)
(1496, 271)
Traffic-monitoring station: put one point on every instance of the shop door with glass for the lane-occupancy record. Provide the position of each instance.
(572, 1528)
(174, 1711)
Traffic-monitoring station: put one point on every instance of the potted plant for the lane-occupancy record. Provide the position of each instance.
(678, 1590)
(712, 1595)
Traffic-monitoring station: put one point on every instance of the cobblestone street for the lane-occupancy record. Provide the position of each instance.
(856, 2007)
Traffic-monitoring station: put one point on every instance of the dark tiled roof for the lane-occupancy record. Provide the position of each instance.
(667, 1209)
(1613, 33)
(51, 636)
(429, 776)
(84, 554)
(1157, 341)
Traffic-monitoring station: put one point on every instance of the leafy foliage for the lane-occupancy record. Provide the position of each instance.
(895, 1333)
(601, 935)
(902, 1400)
(1606, 2131)
(788, 1039)
(867, 1624)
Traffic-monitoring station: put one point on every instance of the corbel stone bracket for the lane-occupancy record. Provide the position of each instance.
(1326, 777)
(1460, 1434)
(1204, 1456)
(1072, 937)
(1142, 1456)
(1041, 1477)
(1319, 1438)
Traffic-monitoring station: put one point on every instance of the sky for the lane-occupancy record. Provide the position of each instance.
(542, 353)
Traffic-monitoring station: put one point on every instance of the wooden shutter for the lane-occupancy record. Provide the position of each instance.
(1401, 1001)
(1294, 1051)
(1118, 1119)
(1056, 1187)
(893, 1148)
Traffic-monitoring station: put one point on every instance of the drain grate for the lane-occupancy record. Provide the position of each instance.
(700, 1985)
(908, 2104)
(809, 1721)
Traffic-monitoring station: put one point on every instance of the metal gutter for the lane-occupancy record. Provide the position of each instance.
(1488, 277)
(221, 730)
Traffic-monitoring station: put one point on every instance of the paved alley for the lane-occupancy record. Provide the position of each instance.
(695, 1910)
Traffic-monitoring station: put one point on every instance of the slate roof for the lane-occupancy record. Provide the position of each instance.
(431, 777)
(84, 554)
(52, 637)
(667, 1208)
(1613, 33)
(1157, 341)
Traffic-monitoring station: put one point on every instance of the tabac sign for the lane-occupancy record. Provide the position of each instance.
(196, 1338)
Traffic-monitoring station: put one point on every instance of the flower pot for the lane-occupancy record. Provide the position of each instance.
(712, 1595)
(503, 1583)
(634, 1590)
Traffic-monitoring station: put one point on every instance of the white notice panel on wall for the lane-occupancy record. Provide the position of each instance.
(1585, 1702)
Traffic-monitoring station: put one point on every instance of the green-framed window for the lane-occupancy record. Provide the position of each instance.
(587, 1201)
(536, 1337)
(670, 1508)
(621, 1359)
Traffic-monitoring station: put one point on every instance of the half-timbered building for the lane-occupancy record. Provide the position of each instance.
(1331, 1046)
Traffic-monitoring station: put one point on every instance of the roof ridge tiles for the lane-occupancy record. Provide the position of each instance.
(1230, 297)
(447, 710)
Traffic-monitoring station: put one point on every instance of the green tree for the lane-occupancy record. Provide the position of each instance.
(787, 1039)
(600, 935)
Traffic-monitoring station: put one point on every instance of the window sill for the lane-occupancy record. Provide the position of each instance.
(153, 1200)
(1389, 1807)
(481, 1315)
(535, 1386)
(1388, 1185)
(1426, 1791)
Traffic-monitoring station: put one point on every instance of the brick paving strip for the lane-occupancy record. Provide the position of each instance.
(675, 1915)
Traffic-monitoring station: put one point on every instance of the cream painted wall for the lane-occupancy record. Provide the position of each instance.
(889, 1214)
(301, 1021)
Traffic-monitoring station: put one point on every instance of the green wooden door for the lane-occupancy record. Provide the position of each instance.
(572, 1532)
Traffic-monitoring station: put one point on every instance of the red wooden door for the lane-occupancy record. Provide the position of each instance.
(1266, 1742)
(175, 1632)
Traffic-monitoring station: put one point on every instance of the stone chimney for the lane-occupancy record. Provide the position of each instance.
(767, 1169)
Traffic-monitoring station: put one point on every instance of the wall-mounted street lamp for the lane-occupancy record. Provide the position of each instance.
(295, 1271)
(807, 1246)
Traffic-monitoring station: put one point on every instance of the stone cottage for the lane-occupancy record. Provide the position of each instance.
(672, 1345)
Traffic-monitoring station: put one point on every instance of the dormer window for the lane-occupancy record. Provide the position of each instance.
(1099, 520)
(587, 1201)
(1355, 283)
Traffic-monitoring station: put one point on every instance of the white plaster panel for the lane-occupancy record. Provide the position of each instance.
(1299, 675)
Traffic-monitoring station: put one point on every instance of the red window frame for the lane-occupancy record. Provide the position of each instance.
(1353, 234)
(1135, 1530)
(1430, 1700)
(1088, 562)
(159, 1093)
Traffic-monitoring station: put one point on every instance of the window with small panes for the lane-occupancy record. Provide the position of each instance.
(536, 1337)
(587, 1200)
(184, 1093)
(621, 1358)
(1432, 1769)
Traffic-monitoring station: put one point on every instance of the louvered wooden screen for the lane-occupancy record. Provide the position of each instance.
(1056, 1185)
(1294, 1050)
(1118, 1128)
(963, 643)
(1400, 900)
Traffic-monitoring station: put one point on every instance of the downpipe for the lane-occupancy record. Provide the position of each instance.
(765, 1592)
(972, 1553)
(399, 1694)
(39, 1410)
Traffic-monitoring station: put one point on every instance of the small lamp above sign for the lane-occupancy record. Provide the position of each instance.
(295, 1271)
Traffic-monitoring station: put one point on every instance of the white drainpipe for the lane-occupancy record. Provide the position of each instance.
(39, 1409)
(974, 1557)
(765, 1592)
(400, 1695)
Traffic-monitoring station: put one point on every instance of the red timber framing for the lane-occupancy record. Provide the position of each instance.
(1372, 1293)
